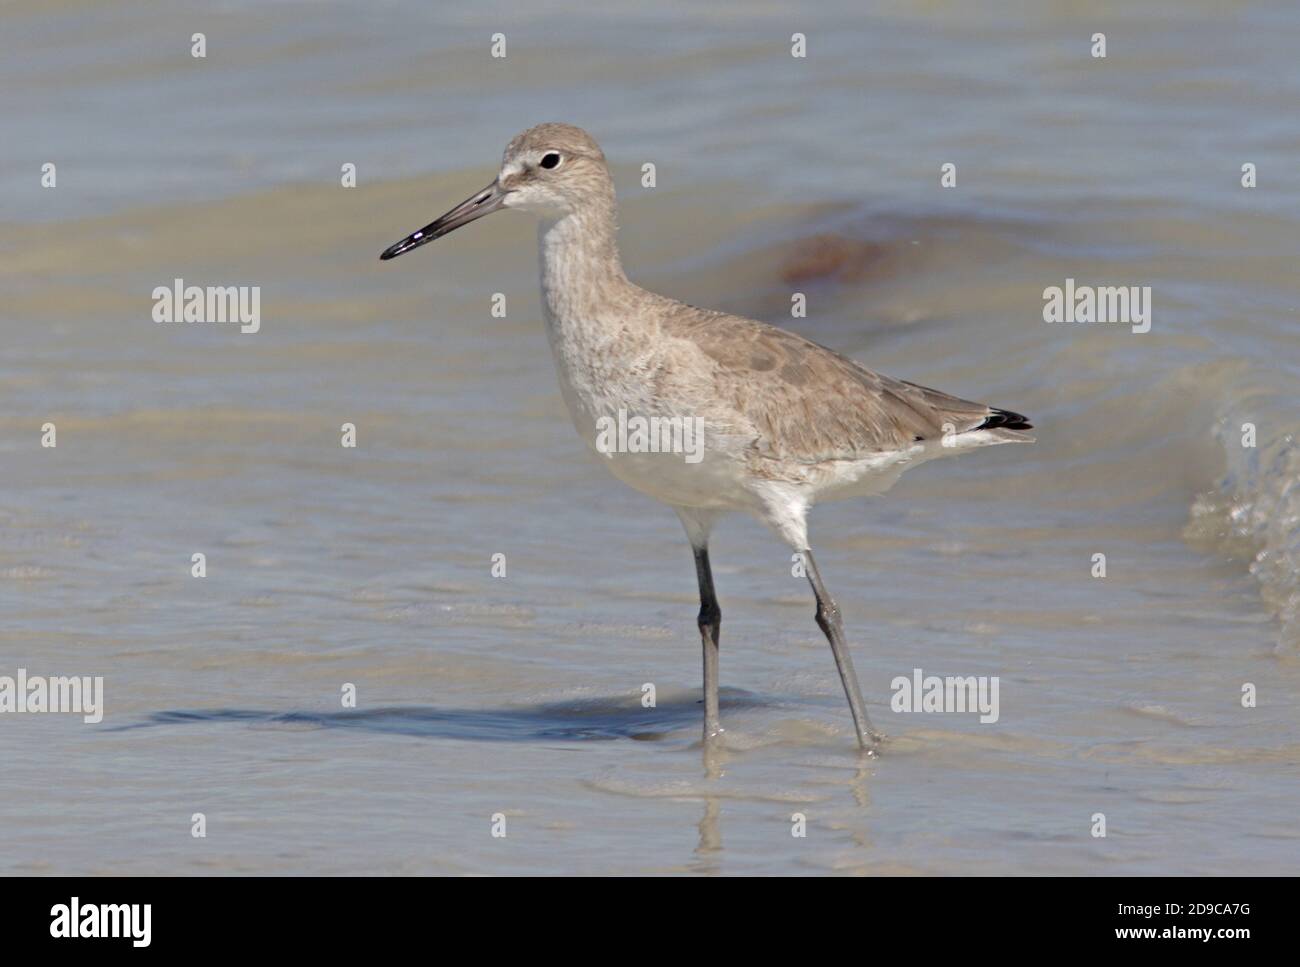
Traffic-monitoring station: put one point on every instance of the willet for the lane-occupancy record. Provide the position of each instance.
(786, 422)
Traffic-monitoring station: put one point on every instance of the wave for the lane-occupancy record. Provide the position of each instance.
(1254, 511)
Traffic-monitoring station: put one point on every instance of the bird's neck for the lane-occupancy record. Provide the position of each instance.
(581, 270)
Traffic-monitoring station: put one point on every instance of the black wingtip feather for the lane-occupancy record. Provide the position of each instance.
(1006, 420)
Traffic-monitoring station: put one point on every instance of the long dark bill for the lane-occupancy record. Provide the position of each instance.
(484, 202)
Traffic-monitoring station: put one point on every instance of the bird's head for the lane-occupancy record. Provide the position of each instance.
(552, 170)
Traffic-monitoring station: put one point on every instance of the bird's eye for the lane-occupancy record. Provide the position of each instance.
(550, 160)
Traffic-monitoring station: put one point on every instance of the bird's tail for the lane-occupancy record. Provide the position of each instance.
(1007, 426)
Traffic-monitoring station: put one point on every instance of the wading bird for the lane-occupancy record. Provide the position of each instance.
(787, 422)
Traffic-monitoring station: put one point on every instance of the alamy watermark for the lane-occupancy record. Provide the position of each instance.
(653, 434)
(1126, 304)
(129, 921)
(82, 696)
(211, 303)
(954, 694)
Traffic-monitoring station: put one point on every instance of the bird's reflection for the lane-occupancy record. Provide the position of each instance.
(708, 853)
(715, 757)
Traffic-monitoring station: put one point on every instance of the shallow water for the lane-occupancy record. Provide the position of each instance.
(522, 695)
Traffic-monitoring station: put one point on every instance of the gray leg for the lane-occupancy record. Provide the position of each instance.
(710, 622)
(828, 619)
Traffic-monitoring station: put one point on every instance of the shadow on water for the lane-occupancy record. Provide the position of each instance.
(606, 719)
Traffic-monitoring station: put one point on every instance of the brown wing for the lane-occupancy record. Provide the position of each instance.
(813, 404)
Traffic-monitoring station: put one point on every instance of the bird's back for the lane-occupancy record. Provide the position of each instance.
(809, 404)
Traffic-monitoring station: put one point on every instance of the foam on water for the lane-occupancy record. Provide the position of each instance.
(1253, 514)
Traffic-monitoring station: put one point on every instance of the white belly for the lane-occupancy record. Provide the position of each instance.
(675, 457)
(669, 453)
